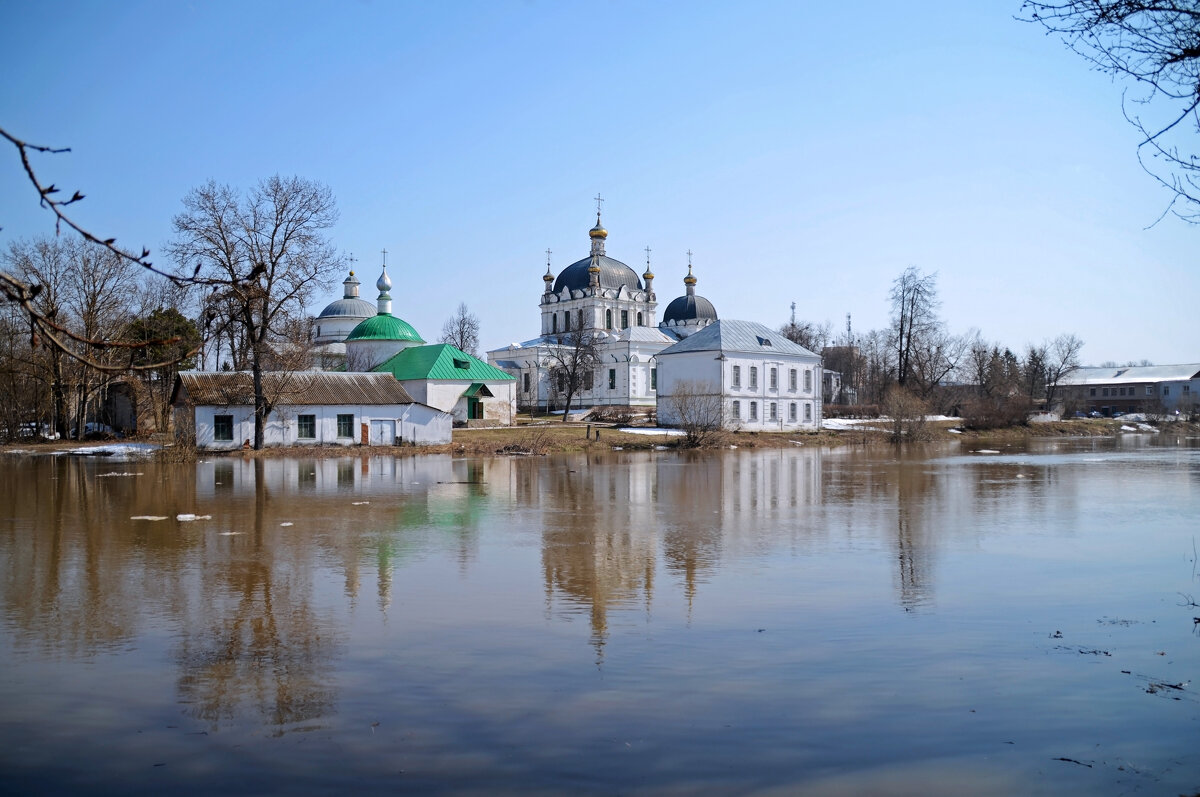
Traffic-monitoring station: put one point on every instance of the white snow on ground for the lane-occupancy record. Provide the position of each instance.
(644, 430)
(839, 424)
(120, 450)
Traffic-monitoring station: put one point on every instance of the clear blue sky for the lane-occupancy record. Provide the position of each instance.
(804, 152)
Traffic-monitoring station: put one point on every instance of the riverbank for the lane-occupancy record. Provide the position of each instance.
(550, 437)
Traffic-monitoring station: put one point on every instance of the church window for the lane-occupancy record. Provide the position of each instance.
(792, 411)
(754, 410)
(608, 319)
(589, 380)
(654, 379)
(306, 427)
(345, 425)
(792, 381)
(737, 377)
(525, 377)
(807, 411)
(624, 319)
(223, 428)
(580, 319)
(807, 381)
(774, 379)
(737, 410)
(774, 412)
(639, 319)
(754, 377)
(612, 378)
(554, 322)
(566, 321)
(562, 382)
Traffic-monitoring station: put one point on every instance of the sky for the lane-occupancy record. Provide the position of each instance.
(802, 152)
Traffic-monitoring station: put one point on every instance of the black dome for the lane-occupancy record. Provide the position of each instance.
(613, 274)
(689, 308)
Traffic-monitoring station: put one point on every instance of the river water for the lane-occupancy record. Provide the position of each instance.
(816, 621)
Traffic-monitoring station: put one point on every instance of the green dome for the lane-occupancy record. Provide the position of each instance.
(384, 326)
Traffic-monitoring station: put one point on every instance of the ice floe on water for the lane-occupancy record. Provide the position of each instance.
(116, 450)
(645, 430)
(187, 517)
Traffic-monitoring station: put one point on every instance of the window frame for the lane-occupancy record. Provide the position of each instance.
(303, 419)
(348, 418)
(218, 422)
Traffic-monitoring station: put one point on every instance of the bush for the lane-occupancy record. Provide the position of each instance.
(907, 413)
(995, 413)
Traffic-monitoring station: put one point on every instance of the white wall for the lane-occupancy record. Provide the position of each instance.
(415, 423)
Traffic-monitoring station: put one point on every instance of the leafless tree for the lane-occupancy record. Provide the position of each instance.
(573, 358)
(1063, 359)
(812, 336)
(268, 252)
(696, 409)
(914, 321)
(1155, 45)
(461, 330)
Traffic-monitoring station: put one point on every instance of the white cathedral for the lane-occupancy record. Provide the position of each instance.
(602, 294)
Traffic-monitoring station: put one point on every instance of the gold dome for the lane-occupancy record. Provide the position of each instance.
(598, 231)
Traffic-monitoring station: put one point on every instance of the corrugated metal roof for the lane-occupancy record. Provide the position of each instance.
(440, 361)
(1133, 373)
(738, 336)
(309, 388)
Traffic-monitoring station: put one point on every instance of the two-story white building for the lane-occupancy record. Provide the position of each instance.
(762, 380)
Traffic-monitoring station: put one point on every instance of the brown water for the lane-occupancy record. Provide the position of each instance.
(740, 622)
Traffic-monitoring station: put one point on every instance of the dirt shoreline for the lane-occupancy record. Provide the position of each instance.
(554, 437)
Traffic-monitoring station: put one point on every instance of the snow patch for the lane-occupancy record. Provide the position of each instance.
(644, 430)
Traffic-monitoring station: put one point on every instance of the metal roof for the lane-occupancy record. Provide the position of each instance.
(309, 388)
(384, 326)
(738, 336)
(1133, 373)
(440, 361)
(350, 307)
(613, 274)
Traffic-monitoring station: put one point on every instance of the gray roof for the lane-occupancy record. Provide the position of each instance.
(349, 308)
(738, 336)
(688, 308)
(308, 388)
(613, 274)
(1133, 373)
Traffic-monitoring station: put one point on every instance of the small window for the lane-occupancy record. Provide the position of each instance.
(1166, 390)
(567, 321)
(223, 428)
(562, 382)
(639, 317)
(737, 410)
(1105, 392)
(654, 379)
(774, 379)
(1187, 388)
(774, 412)
(1149, 390)
(624, 319)
(581, 319)
(763, 341)
(792, 380)
(612, 378)
(792, 411)
(807, 381)
(345, 425)
(463, 364)
(608, 319)
(737, 377)
(1092, 392)
(807, 412)
(554, 322)
(525, 379)
(589, 380)
(754, 410)
(306, 427)
(754, 377)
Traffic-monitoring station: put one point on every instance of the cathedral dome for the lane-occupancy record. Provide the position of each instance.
(613, 274)
(689, 308)
(348, 308)
(384, 326)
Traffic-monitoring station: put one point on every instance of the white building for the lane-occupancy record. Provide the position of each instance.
(311, 408)
(605, 297)
(757, 379)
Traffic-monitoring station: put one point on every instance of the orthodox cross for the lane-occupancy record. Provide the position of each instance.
(647, 256)
(689, 260)
(385, 257)
(547, 258)
(599, 201)
(352, 260)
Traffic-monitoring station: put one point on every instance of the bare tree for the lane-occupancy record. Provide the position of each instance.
(812, 336)
(269, 252)
(695, 408)
(1155, 44)
(461, 330)
(914, 320)
(573, 359)
(1063, 359)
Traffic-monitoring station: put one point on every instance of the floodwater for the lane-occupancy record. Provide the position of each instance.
(746, 622)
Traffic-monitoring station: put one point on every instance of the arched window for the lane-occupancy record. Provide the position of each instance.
(554, 322)
(608, 319)
(639, 319)
(567, 321)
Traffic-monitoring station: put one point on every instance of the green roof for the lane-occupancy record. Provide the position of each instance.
(440, 361)
(384, 326)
